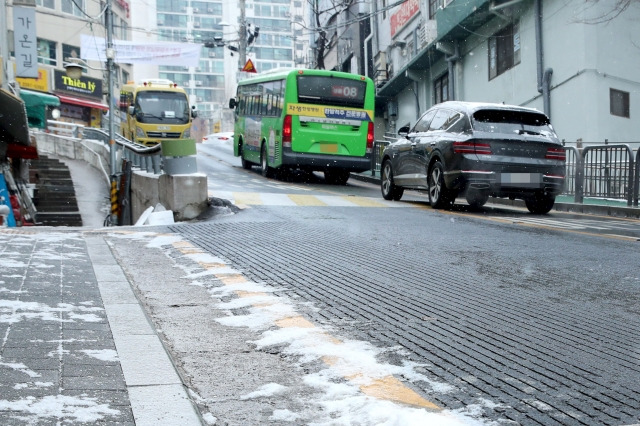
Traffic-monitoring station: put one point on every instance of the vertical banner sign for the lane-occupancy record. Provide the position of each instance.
(25, 41)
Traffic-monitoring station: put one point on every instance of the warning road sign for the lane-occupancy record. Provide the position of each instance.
(248, 67)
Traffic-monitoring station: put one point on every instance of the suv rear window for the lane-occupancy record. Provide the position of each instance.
(520, 122)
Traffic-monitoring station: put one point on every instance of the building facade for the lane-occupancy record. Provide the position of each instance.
(59, 25)
(272, 40)
(574, 60)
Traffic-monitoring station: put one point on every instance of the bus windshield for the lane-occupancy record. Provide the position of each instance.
(332, 91)
(162, 107)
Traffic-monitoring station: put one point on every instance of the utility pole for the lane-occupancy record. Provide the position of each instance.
(110, 54)
(4, 45)
(242, 34)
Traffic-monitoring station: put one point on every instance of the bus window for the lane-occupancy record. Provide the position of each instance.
(331, 91)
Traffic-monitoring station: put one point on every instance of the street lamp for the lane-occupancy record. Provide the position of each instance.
(74, 68)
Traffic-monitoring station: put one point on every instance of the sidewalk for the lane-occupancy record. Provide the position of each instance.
(563, 203)
(76, 344)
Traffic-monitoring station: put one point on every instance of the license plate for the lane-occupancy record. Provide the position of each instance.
(515, 179)
(329, 147)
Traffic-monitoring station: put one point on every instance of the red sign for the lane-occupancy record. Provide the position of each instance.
(248, 67)
(407, 10)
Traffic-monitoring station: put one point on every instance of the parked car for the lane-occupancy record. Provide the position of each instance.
(218, 137)
(477, 150)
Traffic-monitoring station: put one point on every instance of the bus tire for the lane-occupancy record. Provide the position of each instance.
(266, 171)
(245, 163)
(336, 177)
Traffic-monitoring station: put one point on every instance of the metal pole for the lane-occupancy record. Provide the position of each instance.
(112, 145)
(243, 35)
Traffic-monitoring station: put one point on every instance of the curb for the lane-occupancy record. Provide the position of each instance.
(615, 211)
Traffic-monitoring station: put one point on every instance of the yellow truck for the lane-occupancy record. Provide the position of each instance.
(155, 110)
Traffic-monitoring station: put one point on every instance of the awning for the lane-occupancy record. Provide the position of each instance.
(13, 121)
(37, 103)
(31, 97)
(82, 102)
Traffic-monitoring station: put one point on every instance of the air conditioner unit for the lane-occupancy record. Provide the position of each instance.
(198, 83)
(287, 14)
(199, 99)
(196, 10)
(427, 32)
(196, 24)
(212, 54)
(210, 10)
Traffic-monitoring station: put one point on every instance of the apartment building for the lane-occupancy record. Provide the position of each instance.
(272, 40)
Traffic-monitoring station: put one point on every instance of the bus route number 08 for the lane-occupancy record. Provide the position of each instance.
(344, 91)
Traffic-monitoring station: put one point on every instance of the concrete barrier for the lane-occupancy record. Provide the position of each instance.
(185, 194)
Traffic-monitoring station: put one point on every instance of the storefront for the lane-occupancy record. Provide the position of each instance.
(80, 99)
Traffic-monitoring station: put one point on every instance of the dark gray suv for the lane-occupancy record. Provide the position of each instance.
(477, 150)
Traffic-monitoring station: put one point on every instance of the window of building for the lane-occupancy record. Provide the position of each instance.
(619, 103)
(46, 52)
(434, 5)
(69, 51)
(75, 7)
(441, 89)
(50, 4)
(504, 50)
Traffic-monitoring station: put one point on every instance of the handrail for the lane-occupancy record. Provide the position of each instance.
(145, 157)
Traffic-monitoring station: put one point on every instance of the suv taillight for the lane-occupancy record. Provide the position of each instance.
(556, 154)
(471, 147)
(370, 138)
(286, 132)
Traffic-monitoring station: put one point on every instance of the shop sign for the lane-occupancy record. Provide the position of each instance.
(24, 40)
(41, 83)
(84, 86)
(405, 13)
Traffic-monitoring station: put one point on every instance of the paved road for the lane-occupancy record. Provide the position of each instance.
(522, 318)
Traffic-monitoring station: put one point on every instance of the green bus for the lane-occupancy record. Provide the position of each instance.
(313, 120)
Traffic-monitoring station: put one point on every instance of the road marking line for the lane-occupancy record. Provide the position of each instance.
(306, 200)
(365, 202)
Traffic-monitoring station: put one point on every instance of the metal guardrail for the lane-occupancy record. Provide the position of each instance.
(64, 128)
(605, 171)
(140, 156)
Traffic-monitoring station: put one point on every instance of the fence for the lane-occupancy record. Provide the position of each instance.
(605, 171)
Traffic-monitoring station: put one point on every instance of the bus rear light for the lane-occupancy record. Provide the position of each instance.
(286, 131)
(370, 138)
(471, 147)
(556, 154)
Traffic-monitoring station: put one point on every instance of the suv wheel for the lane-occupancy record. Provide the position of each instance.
(439, 196)
(389, 190)
(540, 203)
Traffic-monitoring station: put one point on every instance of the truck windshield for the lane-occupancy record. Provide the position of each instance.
(162, 107)
(331, 91)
